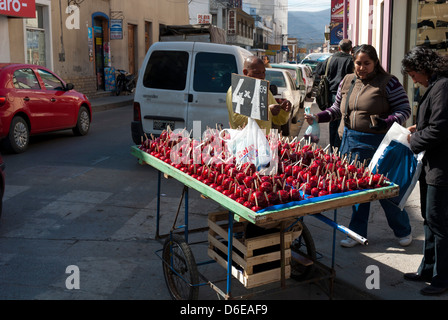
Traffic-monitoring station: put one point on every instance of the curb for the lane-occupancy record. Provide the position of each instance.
(102, 104)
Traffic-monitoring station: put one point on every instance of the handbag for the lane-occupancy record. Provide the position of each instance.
(323, 90)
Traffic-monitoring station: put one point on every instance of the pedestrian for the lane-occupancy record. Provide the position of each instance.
(369, 102)
(430, 134)
(266, 62)
(278, 113)
(354, 49)
(339, 65)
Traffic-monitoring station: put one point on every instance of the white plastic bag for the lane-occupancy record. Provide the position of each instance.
(249, 145)
(395, 159)
(312, 133)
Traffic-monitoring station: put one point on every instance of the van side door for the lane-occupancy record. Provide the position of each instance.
(211, 78)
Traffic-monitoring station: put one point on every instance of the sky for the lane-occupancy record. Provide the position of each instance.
(307, 5)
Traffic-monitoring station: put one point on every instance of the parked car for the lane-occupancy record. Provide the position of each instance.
(314, 58)
(286, 89)
(296, 74)
(181, 82)
(301, 73)
(2, 183)
(35, 100)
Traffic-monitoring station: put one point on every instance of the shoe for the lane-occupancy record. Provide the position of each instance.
(414, 276)
(426, 23)
(348, 243)
(441, 24)
(405, 241)
(432, 290)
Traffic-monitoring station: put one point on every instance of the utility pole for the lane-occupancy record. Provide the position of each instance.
(345, 20)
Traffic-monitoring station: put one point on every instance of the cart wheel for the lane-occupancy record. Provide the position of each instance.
(304, 247)
(180, 270)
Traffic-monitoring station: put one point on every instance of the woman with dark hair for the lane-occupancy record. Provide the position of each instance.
(430, 134)
(368, 103)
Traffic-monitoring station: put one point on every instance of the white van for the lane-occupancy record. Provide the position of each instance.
(181, 82)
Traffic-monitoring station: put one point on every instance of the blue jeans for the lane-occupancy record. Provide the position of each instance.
(364, 145)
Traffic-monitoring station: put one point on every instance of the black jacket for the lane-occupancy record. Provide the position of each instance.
(341, 64)
(432, 132)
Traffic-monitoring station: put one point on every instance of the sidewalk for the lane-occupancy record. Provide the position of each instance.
(383, 254)
(110, 102)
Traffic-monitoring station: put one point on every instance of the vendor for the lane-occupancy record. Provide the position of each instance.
(278, 113)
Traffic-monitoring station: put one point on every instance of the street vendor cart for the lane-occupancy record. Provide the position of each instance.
(286, 251)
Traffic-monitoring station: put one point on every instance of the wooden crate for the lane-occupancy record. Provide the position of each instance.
(251, 266)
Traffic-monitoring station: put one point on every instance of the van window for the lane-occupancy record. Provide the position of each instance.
(213, 72)
(166, 70)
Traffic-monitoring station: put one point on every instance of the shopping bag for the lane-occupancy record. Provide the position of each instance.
(395, 159)
(248, 145)
(312, 133)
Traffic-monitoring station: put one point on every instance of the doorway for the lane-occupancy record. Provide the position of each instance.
(101, 45)
(132, 48)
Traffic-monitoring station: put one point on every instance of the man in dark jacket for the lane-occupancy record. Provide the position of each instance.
(341, 64)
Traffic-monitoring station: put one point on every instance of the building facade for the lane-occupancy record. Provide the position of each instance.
(393, 27)
(84, 41)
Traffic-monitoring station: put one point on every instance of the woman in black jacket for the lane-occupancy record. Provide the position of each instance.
(430, 134)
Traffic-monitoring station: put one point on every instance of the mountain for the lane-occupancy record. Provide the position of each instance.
(308, 27)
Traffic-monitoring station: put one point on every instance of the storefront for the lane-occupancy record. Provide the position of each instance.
(428, 27)
(432, 25)
(25, 9)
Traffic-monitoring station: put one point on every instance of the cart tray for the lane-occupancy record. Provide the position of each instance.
(275, 213)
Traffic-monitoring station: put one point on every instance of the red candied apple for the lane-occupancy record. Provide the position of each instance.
(240, 177)
(283, 196)
(266, 187)
(295, 195)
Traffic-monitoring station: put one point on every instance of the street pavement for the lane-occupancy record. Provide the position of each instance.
(374, 271)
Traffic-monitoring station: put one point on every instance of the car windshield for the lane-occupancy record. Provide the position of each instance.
(276, 78)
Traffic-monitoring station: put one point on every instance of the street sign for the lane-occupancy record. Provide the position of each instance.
(23, 8)
(250, 97)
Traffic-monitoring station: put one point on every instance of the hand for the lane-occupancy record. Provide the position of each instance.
(310, 118)
(275, 109)
(286, 105)
(413, 128)
(378, 124)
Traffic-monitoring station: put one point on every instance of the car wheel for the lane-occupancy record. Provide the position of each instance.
(18, 136)
(83, 124)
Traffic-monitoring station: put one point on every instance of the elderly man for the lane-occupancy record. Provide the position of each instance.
(278, 113)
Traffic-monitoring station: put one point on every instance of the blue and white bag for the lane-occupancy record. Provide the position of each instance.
(395, 159)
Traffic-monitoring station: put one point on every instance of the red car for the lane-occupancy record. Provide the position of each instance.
(34, 100)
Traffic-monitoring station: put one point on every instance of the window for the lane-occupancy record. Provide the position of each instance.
(276, 78)
(35, 38)
(213, 72)
(25, 79)
(166, 70)
(50, 81)
(291, 82)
